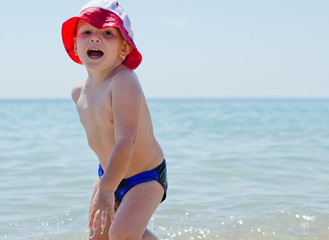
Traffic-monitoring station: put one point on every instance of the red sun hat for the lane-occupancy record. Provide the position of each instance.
(102, 14)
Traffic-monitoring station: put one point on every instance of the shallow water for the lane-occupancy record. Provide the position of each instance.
(237, 168)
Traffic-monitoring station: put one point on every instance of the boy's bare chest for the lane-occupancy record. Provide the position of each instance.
(94, 114)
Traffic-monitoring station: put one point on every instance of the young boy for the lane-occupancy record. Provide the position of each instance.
(112, 109)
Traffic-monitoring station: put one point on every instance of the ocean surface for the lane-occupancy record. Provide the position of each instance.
(250, 169)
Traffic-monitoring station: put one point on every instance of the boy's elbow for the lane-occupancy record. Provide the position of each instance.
(76, 91)
(131, 141)
(75, 94)
(127, 141)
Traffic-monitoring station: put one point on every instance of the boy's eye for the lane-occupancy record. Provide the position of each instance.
(86, 32)
(108, 33)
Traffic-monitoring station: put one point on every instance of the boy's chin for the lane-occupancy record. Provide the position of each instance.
(99, 64)
(93, 66)
(93, 61)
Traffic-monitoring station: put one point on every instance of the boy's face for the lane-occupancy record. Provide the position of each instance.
(100, 47)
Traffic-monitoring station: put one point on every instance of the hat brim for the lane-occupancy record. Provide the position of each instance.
(99, 18)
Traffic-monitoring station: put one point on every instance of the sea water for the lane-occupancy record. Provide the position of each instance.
(237, 169)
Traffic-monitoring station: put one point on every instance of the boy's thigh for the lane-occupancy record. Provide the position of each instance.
(137, 208)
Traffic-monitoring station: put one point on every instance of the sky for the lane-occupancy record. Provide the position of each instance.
(191, 49)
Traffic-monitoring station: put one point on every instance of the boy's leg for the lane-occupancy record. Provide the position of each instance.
(148, 235)
(135, 212)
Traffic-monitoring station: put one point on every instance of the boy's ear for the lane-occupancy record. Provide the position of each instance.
(125, 50)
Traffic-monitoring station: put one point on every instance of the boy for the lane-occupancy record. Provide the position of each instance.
(113, 110)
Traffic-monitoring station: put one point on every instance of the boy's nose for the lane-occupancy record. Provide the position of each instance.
(95, 38)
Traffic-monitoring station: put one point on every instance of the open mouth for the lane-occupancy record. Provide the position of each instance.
(95, 53)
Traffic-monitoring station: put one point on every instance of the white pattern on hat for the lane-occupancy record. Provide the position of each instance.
(113, 6)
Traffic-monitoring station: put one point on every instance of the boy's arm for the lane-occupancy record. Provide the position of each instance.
(76, 91)
(95, 189)
(126, 107)
(126, 95)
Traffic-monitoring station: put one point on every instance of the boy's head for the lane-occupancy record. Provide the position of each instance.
(102, 14)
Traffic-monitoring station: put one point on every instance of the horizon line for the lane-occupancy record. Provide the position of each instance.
(174, 98)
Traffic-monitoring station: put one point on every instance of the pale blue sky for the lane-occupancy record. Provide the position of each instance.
(209, 48)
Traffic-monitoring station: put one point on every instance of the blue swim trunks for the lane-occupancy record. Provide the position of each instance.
(158, 174)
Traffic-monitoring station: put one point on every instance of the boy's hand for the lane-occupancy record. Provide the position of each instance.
(101, 206)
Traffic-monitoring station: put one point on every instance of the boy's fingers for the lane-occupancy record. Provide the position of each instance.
(91, 218)
(97, 218)
(112, 213)
(103, 220)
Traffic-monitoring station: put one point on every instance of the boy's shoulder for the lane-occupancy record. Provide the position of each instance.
(76, 90)
(125, 79)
